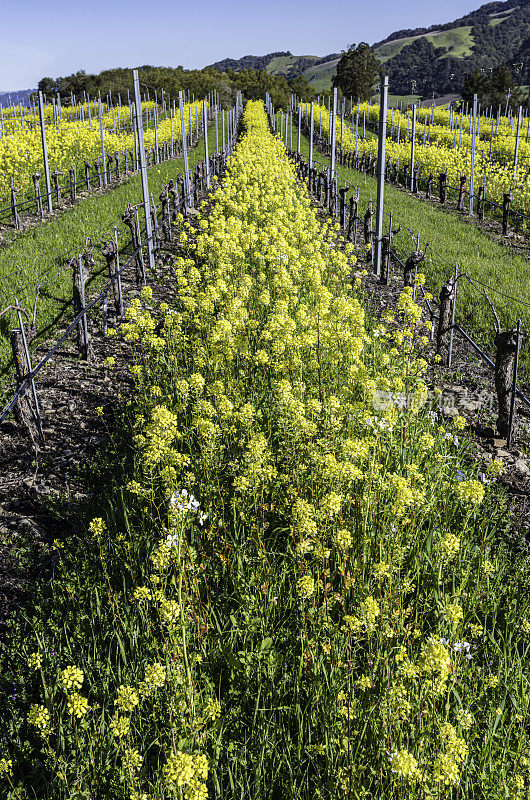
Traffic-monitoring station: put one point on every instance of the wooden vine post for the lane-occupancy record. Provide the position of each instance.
(442, 181)
(342, 205)
(87, 174)
(460, 204)
(411, 267)
(83, 341)
(506, 344)
(428, 186)
(16, 216)
(386, 243)
(26, 416)
(38, 198)
(129, 218)
(447, 301)
(514, 385)
(166, 222)
(506, 200)
(353, 219)
(109, 254)
(175, 200)
(73, 185)
(23, 412)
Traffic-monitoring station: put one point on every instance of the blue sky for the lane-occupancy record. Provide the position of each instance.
(57, 38)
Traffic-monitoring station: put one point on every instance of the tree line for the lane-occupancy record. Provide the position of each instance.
(252, 83)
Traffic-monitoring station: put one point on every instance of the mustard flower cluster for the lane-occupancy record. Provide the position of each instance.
(187, 772)
(35, 661)
(306, 586)
(6, 767)
(72, 678)
(39, 716)
(77, 705)
(127, 698)
(440, 154)
(404, 765)
(471, 492)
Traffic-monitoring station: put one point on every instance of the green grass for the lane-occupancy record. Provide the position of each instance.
(455, 240)
(29, 259)
(459, 41)
(395, 99)
(280, 65)
(501, 15)
(335, 553)
(320, 77)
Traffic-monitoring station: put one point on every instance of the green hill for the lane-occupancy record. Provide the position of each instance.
(437, 58)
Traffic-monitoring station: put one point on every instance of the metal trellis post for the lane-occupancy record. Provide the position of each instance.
(206, 156)
(473, 143)
(103, 162)
(45, 154)
(381, 157)
(412, 147)
(333, 134)
(143, 167)
(312, 128)
(185, 152)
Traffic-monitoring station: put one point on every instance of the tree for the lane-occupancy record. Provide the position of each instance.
(46, 86)
(357, 71)
(493, 89)
(301, 87)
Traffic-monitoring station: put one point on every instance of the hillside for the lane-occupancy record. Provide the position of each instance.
(15, 97)
(318, 70)
(437, 58)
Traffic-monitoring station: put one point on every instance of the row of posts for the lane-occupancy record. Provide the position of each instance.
(92, 109)
(332, 178)
(194, 187)
(507, 343)
(103, 166)
(129, 162)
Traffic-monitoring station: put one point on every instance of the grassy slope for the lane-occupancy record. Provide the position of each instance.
(395, 99)
(321, 80)
(320, 75)
(37, 251)
(280, 65)
(454, 240)
(459, 38)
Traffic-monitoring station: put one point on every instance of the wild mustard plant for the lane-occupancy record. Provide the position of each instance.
(299, 588)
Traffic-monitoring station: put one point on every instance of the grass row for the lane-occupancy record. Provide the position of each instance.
(336, 615)
(37, 255)
(454, 240)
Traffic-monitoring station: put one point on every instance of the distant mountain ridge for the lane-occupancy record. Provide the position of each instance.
(247, 62)
(16, 97)
(282, 63)
(435, 58)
